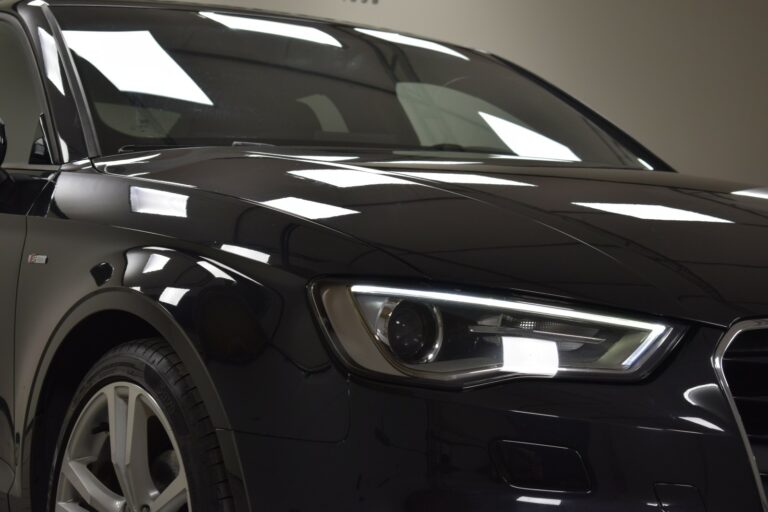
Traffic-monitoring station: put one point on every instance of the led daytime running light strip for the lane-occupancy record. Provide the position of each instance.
(655, 330)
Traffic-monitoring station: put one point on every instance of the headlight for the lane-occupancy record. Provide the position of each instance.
(465, 339)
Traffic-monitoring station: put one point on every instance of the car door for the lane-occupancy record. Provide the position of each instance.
(22, 177)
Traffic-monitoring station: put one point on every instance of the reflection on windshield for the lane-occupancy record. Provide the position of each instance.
(759, 193)
(645, 164)
(526, 142)
(393, 37)
(135, 62)
(149, 75)
(64, 148)
(51, 59)
(274, 28)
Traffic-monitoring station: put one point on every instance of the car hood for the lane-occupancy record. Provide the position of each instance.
(656, 242)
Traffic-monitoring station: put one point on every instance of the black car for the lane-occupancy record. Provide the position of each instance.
(253, 262)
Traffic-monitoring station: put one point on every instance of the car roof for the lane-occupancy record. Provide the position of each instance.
(9, 5)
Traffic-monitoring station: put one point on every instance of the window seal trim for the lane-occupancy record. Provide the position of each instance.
(33, 168)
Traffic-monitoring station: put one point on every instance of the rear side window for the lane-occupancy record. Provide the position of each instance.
(21, 101)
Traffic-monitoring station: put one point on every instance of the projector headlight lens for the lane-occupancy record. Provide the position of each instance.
(448, 337)
(412, 330)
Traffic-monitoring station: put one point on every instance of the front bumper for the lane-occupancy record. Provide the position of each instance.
(668, 443)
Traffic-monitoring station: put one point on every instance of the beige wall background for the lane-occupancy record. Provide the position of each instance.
(687, 78)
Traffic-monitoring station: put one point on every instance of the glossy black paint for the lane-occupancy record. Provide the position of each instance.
(432, 449)
(529, 238)
(299, 432)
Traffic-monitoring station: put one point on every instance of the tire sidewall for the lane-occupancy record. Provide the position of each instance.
(121, 367)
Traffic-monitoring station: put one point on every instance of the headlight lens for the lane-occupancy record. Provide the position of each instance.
(449, 337)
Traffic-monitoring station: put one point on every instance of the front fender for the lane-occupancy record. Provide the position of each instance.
(246, 333)
(236, 336)
(231, 333)
(134, 303)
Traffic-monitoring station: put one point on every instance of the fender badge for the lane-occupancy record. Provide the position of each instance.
(37, 259)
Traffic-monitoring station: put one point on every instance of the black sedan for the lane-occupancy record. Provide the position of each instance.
(252, 262)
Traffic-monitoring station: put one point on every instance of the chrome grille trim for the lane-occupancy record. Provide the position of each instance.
(717, 363)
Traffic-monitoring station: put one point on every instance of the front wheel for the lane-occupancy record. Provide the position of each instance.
(138, 439)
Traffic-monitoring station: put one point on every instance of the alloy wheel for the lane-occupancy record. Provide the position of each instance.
(122, 456)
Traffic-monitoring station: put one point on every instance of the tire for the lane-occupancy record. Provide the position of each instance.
(137, 438)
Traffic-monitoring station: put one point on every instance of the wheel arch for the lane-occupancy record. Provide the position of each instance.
(135, 316)
(208, 313)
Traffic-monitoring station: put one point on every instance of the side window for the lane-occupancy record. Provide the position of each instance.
(21, 102)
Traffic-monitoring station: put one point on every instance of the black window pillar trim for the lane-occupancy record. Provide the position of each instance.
(75, 84)
(46, 117)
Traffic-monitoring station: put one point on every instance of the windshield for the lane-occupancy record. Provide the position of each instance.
(166, 77)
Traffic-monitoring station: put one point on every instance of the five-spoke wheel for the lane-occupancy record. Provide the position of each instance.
(122, 456)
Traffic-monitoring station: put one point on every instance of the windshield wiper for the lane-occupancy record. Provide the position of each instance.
(155, 147)
(249, 143)
(446, 147)
(130, 148)
(458, 148)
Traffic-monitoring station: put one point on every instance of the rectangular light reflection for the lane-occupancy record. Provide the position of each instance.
(251, 254)
(393, 37)
(274, 28)
(348, 178)
(155, 263)
(135, 62)
(463, 178)
(530, 356)
(51, 59)
(758, 193)
(540, 501)
(308, 209)
(158, 202)
(653, 212)
(173, 295)
(526, 142)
